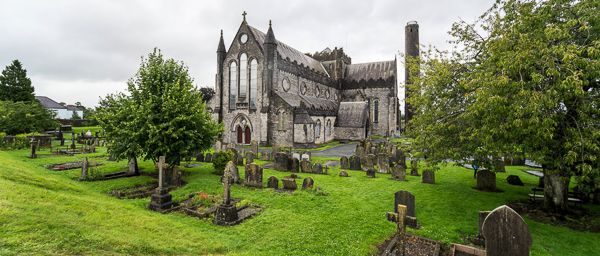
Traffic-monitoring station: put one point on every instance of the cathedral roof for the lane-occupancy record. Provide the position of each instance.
(353, 114)
(371, 71)
(313, 105)
(293, 55)
(301, 117)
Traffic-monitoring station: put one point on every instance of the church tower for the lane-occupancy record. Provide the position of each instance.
(270, 54)
(220, 59)
(411, 33)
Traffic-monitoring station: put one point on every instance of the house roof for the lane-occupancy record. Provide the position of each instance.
(74, 108)
(371, 71)
(353, 114)
(288, 52)
(49, 103)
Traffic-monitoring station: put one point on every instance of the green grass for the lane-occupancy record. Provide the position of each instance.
(47, 212)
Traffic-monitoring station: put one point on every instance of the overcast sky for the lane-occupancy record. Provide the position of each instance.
(82, 50)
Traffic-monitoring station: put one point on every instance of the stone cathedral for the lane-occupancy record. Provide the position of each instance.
(271, 93)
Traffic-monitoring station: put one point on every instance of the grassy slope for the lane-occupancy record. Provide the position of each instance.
(45, 212)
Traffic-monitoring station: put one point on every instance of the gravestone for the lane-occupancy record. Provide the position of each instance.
(399, 172)
(355, 163)
(226, 213)
(84, 169)
(305, 156)
(371, 173)
(428, 177)
(404, 197)
(308, 183)
(208, 158)
(383, 163)
(305, 166)
(289, 183)
(235, 174)
(295, 165)
(249, 157)
(486, 180)
(344, 163)
(281, 161)
(359, 151)
(254, 147)
(414, 167)
(343, 174)
(132, 166)
(33, 145)
(514, 180)
(370, 161)
(200, 157)
(253, 175)
(273, 182)
(506, 233)
(161, 199)
(401, 158)
(317, 168)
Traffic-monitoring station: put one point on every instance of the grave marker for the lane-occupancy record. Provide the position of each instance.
(506, 233)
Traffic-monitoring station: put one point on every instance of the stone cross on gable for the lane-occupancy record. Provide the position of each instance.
(244, 14)
(161, 163)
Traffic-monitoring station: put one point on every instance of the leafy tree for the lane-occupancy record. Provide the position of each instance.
(526, 79)
(163, 115)
(14, 83)
(207, 93)
(25, 117)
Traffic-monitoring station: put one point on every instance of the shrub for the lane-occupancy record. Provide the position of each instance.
(220, 160)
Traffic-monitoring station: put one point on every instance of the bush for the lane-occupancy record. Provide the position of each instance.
(220, 160)
(25, 117)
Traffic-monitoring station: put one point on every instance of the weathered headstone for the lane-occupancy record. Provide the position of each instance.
(514, 180)
(295, 165)
(404, 197)
(344, 163)
(161, 199)
(281, 161)
(254, 175)
(486, 180)
(249, 157)
(308, 183)
(33, 145)
(428, 177)
(360, 150)
(317, 168)
(414, 167)
(399, 172)
(273, 182)
(306, 166)
(355, 163)
(343, 174)
(226, 213)
(506, 233)
(371, 173)
(370, 160)
(132, 166)
(383, 163)
(289, 183)
(254, 147)
(84, 169)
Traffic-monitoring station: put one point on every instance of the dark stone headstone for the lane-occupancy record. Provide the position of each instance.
(253, 175)
(405, 198)
(486, 180)
(383, 162)
(343, 174)
(200, 157)
(506, 233)
(306, 166)
(414, 168)
(371, 173)
(428, 177)
(355, 163)
(514, 180)
(281, 161)
(308, 183)
(344, 163)
(399, 172)
(317, 168)
(289, 183)
(295, 165)
(273, 182)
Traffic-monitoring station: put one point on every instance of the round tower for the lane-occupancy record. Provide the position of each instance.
(411, 35)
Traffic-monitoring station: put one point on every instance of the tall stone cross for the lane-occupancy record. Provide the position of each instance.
(161, 163)
(227, 176)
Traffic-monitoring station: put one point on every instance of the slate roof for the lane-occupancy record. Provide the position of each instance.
(301, 117)
(353, 114)
(287, 52)
(49, 103)
(74, 108)
(371, 71)
(311, 103)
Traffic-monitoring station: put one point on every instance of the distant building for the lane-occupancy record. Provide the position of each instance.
(269, 92)
(62, 111)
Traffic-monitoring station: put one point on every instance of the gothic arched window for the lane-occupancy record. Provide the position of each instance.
(375, 110)
(318, 129)
(328, 127)
(232, 84)
(243, 75)
(281, 121)
(253, 82)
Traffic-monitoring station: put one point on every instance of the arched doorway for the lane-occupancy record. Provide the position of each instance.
(247, 135)
(239, 135)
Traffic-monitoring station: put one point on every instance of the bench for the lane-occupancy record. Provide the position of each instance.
(535, 196)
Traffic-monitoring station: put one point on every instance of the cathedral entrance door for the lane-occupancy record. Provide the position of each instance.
(247, 135)
(239, 135)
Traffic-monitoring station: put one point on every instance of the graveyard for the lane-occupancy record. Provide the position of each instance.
(52, 212)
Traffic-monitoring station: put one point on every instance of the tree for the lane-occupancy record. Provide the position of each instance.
(14, 83)
(527, 79)
(75, 115)
(207, 93)
(163, 115)
(25, 117)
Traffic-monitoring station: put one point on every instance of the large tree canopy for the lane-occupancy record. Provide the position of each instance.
(25, 117)
(14, 83)
(163, 114)
(524, 78)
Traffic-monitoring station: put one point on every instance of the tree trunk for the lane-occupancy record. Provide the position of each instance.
(133, 166)
(556, 188)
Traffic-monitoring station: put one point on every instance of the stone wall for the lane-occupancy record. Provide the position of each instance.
(386, 123)
(346, 133)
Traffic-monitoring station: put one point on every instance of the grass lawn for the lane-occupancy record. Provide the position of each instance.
(47, 212)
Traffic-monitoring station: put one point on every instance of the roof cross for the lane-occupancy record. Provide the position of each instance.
(244, 14)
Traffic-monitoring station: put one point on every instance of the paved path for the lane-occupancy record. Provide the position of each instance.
(338, 151)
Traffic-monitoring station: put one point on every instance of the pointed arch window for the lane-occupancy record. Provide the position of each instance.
(232, 84)
(375, 110)
(253, 82)
(328, 127)
(243, 76)
(281, 121)
(318, 129)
